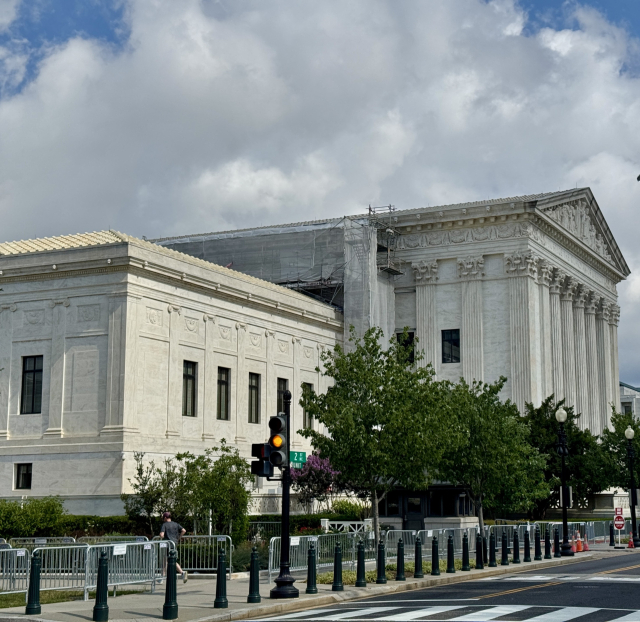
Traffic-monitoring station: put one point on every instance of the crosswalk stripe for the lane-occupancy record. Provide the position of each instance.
(356, 613)
(303, 614)
(632, 617)
(419, 613)
(491, 613)
(564, 614)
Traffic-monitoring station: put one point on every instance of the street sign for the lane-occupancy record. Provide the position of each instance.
(618, 522)
(618, 512)
(297, 459)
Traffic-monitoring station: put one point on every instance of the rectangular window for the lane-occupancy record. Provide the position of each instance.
(626, 408)
(307, 419)
(283, 385)
(224, 392)
(409, 342)
(189, 375)
(23, 476)
(451, 346)
(254, 398)
(31, 402)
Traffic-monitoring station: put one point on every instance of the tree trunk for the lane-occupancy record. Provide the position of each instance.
(374, 513)
(480, 515)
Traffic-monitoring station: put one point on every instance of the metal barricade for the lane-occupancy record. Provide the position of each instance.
(111, 539)
(33, 543)
(510, 530)
(63, 567)
(263, 530)
(442, 535)
(200, 553)
(14, 570)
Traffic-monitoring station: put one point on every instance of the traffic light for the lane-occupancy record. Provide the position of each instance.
(261, 468)
(279, 443)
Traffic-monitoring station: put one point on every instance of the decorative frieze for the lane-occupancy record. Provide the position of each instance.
(470, 268)
(426, 272)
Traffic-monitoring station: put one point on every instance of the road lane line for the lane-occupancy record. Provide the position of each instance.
(520, 589)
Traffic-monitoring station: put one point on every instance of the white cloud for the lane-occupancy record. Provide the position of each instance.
(217, 113)
(8, 12)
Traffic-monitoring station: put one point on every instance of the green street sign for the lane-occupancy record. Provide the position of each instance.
(297, 459)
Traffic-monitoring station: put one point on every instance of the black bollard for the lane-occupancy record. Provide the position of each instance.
(435, 557)
(538, 548)
(611, 535)
(33, 601)
(312, 588)
(170, 608)
(221, 601)
(516, 547)
(400, 562)
(337, 570)
(361, 578)
(418, 573)
(382, 573)
(101, 609)
(505, 549)
(451, 564)
(527, 546)
(492, 550)
(556, 543)
(547, 543)
(254, 578)
(465, 552)
(479, 552)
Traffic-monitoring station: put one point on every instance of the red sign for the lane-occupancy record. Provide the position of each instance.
(618, 522)
(618, 512)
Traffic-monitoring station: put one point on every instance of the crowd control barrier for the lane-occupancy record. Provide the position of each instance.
(200, 553)
(111, 539)
(32, 543)
(14, 570)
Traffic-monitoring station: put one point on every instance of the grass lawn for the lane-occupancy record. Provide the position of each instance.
(54, 596)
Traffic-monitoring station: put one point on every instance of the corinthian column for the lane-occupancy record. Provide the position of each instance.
(593, 386)
(545, 274)
(470, 271)
(581, 357)
(568, 341)
(426, 274)
(556, 335)
(603, 337)
(614, 318)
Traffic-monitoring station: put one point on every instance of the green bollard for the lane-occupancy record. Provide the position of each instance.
(527, 546)
(556, 543)
(465, 553)
(33, 601)
(516, 547)
(547, 544)
(382, 573)
(451, 564)
(400, 562)
(170, 608)
(221, 601)
(435, 557)
(337, 585)
(312, 588)
(254, 578)
(418, 574)
(492, 550)
(361, 578)
(101, 609)
(505, 549)
(538, 548)
(479, 552)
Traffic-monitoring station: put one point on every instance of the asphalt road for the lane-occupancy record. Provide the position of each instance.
(590, 591)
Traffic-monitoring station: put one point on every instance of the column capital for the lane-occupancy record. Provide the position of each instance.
(556, 283)
(545, 274)
(614, 314)
(426, 272)
(603, 310)
(580, 297)
(591, 303)
(522, 264)
(570, 285)
(471, 268)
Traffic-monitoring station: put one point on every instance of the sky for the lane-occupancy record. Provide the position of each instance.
(157, 117)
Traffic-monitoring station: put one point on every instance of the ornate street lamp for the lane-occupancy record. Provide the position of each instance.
(631, 454)
(563, 452)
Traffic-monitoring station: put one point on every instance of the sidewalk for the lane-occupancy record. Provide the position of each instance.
(195, 599)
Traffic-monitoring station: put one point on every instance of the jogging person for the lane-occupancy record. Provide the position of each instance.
(173, 531)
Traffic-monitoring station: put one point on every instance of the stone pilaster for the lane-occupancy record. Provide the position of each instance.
(605, 374)
(593, 386)
(545, 275)
(614, 318)
(557, 361)
(581, 357)
(6, 340)
(56, 367)
(523, 270)
(240, 386)
(568, 341)
(296, 413)
(270, 386)
(210, 379)
(426, 275)
(470, 272)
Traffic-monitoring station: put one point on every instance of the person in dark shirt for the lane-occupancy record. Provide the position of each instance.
(173, 531)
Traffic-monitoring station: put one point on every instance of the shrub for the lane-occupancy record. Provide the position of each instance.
(33, 517)
(242, 556)
(344, 507)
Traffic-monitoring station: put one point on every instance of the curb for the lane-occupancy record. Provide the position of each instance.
(359, 594)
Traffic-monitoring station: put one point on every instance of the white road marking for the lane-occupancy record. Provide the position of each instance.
(564, 614)
(302, 614)
(418, 613)
(491, 613)
(632, 617)
(355, 613)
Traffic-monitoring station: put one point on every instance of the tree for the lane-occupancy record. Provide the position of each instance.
(587, 464)
(385, 418)
(614, 447)
(146, 494)
(317, 480)
(491, 458)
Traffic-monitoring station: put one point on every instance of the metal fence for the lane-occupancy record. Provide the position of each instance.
(111, 539)
(200, 553)
(264, 531)
(14, 570)
(32, 543)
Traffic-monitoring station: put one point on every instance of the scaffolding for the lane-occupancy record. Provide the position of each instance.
(383, 220)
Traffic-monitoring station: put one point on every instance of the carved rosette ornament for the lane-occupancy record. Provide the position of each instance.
(521, 264)
(426, 272)
(470, 268)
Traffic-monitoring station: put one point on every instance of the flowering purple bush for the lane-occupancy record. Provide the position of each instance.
(317, 480)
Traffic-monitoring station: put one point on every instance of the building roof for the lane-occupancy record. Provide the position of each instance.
(628, 386)
(61, 242)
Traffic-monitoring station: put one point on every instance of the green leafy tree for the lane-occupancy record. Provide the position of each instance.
(492, 458)
(146, 496)
(587, 463)
(614, 447)
(385, 418)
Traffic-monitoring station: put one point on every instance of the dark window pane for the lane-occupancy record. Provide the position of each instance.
(451, 346)
(23, 476)
(224, 375)
(31, 396)
(283, 385)
(254, 398)
(393, 506)
(409, 342)
(189, 396)
(307, 419)
(414, 505)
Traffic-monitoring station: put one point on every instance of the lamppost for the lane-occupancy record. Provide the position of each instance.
(563, 452)
(631, 454)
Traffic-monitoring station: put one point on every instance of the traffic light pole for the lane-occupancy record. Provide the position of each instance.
(284, 582)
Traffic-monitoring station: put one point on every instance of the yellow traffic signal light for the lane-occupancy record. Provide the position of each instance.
(278, 441)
